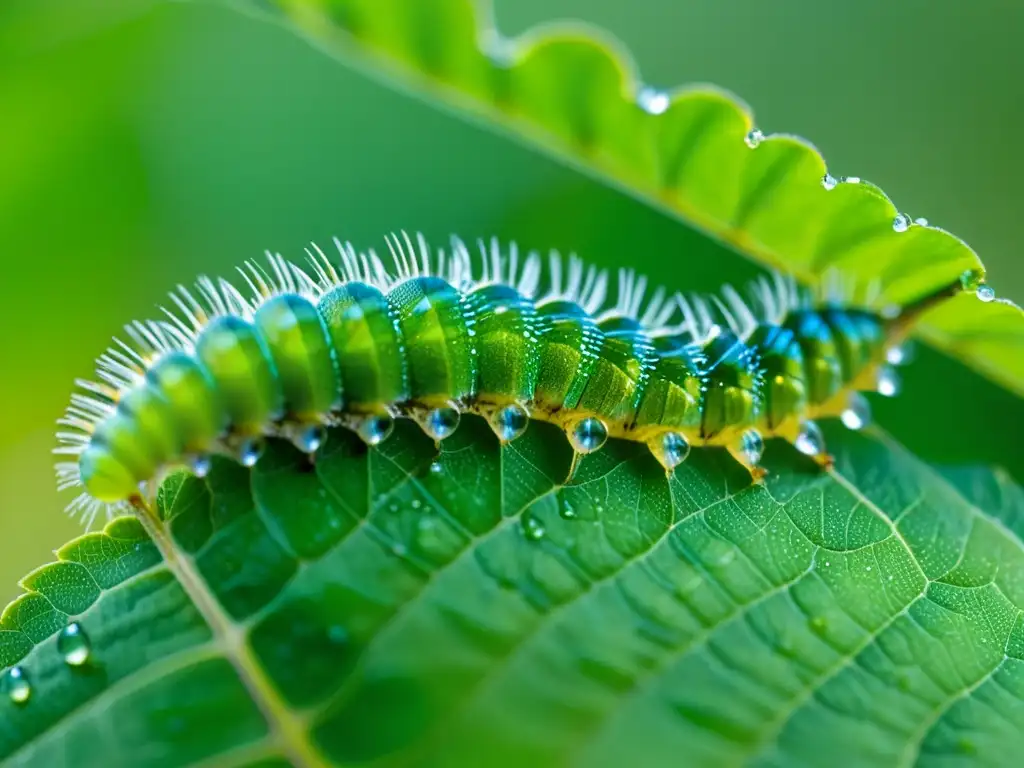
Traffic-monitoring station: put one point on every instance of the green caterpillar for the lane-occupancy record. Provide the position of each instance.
(358, 345)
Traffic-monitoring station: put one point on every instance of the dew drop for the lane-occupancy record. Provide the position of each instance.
(985, 292)
(73, 645)
(851, 179)
(311, 438)
(829, 182)
(567, 510)
(533, 529)
(588, 435)
(442, 422)
(753, 138)
(673, 449)
(887, 381)
(510, 422)
(375, 429)
(250, 451)
(810, 441)
(17, 686)
(436, 467)
(857, 413)
(652, 100)
(752, 446)
(921, 221)
(901, 354)
(901, 223)
(201, 466)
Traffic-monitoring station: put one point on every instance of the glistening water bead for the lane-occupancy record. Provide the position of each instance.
(354, 343)
(17, 686)
(511, 422)
(442, 422)
(73, 645)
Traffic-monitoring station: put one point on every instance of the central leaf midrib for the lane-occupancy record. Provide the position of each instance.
(287, 729)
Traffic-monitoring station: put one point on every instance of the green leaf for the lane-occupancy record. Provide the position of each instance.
(574, 93)
(401, 606)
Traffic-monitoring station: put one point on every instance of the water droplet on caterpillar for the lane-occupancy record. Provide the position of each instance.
(533, 529)
(857, 413)
(671, 449)
(887, 381)
(985, 292)
(588, 435)
(201, 466)
(752, 446)
(73, 645)
(901, 223)
(810, 441)
(442, 422)
(250, 451)
(901, 354)
(311, 438)
(374, 430)
(510, 422)
(829, 182)
(753, 138)
(652, 101)
(17, 686)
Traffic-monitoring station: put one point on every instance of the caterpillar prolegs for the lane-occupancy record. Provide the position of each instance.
(351, 342)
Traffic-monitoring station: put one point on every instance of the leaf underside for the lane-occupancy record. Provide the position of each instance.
(409, 607)
(573, 92)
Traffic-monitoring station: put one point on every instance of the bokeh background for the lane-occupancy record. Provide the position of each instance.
(142, 142)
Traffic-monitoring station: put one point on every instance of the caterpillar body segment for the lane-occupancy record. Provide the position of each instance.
(356, 344)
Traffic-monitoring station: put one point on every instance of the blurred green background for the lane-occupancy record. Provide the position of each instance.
(142, 142)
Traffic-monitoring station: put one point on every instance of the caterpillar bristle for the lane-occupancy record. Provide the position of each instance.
(503, 328)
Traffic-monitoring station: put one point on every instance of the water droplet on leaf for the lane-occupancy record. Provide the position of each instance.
(533, 529)
(652, 100)
(901, 223)
(985, 292)
(73, 645)
(17, 686)
(753, 138)
(829, 182)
